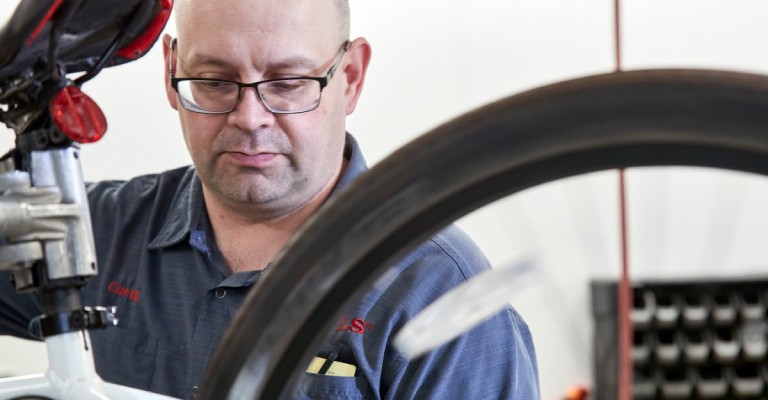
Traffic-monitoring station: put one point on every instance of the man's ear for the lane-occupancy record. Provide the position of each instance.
(170, 65)
(358, 57)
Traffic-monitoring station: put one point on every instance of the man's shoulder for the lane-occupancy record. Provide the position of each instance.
(141, 189)
(451, 251)
(447, 259)
(141, 201)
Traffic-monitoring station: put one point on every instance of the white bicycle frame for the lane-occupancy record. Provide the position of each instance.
(71, 375)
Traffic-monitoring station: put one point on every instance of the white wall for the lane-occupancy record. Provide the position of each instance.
(434, 60)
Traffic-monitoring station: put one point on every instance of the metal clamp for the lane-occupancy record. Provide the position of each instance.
(78, 320)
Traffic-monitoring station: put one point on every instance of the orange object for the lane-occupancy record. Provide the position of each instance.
(577, 393)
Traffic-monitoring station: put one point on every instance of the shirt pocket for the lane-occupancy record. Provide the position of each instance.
(315, 386)
(124, 357)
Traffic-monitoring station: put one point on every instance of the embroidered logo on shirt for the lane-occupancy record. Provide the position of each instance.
(356, 325)
(122, 291)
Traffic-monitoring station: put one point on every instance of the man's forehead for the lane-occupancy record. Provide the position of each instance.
(289, 59)
(250, 60)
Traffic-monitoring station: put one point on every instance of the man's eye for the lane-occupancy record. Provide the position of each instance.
(290, 85)
(214, 85)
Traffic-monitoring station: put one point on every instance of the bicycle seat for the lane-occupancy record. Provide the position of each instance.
(80, 32)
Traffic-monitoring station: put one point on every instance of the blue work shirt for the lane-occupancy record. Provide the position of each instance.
(159, 263)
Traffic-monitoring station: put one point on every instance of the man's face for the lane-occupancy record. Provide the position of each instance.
(250, 156)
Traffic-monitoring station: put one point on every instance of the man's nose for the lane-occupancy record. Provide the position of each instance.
(250, 112)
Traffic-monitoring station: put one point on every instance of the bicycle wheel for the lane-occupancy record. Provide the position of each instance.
(637, 118)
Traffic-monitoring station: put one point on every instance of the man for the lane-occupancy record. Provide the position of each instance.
(179, 251)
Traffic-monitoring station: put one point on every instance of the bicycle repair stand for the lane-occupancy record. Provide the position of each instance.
(49, 249)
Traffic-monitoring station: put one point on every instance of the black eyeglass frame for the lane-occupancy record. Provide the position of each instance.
(322, 80)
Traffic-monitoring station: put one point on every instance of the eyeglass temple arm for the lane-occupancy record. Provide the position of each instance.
(171, 48)
(332, 71)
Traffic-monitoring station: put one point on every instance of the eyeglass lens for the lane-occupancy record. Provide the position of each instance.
(288, 95)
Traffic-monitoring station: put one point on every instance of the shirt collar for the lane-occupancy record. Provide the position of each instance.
(355, 167)
(187, 211)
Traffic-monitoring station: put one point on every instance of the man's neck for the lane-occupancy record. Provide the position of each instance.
(251, 243)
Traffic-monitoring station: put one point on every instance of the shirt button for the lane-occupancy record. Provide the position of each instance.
(195, 391)
(221, 292)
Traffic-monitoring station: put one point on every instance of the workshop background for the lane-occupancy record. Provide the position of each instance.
(434, 60)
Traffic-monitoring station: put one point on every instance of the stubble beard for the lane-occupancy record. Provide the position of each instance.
(253, 187)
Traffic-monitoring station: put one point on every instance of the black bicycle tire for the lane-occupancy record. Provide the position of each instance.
(617, 120)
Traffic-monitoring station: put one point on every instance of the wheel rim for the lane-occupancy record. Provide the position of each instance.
(636, 118)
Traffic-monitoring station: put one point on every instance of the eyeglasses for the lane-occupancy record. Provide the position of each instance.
(280, 96)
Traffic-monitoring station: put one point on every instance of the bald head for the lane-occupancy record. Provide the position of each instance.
(185, 18)
(342, 7)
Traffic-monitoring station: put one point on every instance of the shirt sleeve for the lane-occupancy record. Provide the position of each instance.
(16, 310)
(494, 360)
